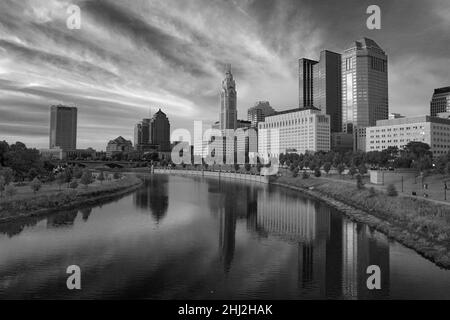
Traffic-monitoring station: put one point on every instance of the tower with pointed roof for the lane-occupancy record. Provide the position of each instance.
(228, 99)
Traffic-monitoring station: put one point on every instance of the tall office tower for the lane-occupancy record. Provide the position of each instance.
(364, 85)
(160, 131)
(259, 112)
(228, 99)
(327, 87)
(305, 82)
(63, 127)
(142, 133)
(440, 102)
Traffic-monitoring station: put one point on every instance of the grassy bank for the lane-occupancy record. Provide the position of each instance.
(53, 199)
(418, 224)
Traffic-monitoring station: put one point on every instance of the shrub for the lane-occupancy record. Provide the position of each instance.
(391, 191)
(352, 171)
(77, 172)
(362, 169)
(248, 167)
(372, 192)
(35, 185)
(60, 179)
(340, 168)
(305, 175)
(86, 178)
(101, 177)
(359, 182)
(327, 167)
(116, 175)
(2, 185)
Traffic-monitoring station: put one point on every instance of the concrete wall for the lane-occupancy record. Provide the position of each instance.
(386, 177)
(216, 174)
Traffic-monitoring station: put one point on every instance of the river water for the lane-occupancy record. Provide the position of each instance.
(197, 238)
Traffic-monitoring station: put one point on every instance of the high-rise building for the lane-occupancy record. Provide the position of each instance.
(228, 101)
(364, 85)
(142, 134)
(63, 127)
(259, 112)
(306, 82)
(327, 87)
(440, 102)
(160, 131)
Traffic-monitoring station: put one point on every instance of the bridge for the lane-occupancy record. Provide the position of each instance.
(91, 164)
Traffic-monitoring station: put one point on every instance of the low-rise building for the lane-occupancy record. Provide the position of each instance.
(434, 131)
(118, 145)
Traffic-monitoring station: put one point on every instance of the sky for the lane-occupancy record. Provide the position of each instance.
(131, 58)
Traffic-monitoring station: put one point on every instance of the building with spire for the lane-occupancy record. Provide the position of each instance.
(228, 102)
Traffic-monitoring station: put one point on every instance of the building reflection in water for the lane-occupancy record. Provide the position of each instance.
(153, 197)
(333, 252)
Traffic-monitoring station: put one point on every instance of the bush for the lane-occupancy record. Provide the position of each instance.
(340, 168)
(101, 177)
(327, 167)
(305, 175)
(391, 191)
(86, 178)
(352, 171)
(359, 182)
(372, 192)
(116, 175)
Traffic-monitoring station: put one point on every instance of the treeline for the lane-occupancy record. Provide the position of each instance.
(415, 155)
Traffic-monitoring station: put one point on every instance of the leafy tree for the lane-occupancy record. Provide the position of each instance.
(73, 185)
(418, 149)
(327, 167)
(7, 174)
(248, 167)
(86, 178)
(236, 167)
(340, 168)
(4, 149)
(317, 172)
(77, 172)
(32, 173)
(352, 171)
(359, 182)
(60, 179)
(362, 169)
(2, 185)
(21, 160)
(116, 175)
(35, 185)
(101, 177)
(68, 176)
(305, 175)
(391, 191)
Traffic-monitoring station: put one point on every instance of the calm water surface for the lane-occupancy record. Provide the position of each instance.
(194, 238)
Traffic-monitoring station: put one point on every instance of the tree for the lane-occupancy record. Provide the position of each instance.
(21, 160)
(391, 191)
(35, 185)
(362, 169)
(32, 173)
(317, 172)
(101, 177)
(73, 185)
(68, 176)
(10, 190)
(352, 171)
(116, 175)
(359, 182)
(418, 149)
(4, 149)
(340, 168)
(7, 174)
(236, 167)
(248, 167)
(305, 175)
(60, 179)
(2, 185)
(86, 178)
(77, 172)
(327, 167)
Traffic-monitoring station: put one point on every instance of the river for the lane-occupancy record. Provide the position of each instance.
(204, 238)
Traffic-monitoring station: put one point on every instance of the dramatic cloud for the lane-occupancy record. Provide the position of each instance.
(130, 57)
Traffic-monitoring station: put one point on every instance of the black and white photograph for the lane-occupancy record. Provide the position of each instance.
(243, 151)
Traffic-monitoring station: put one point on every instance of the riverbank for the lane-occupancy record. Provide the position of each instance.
(32, 205)
(417, 224)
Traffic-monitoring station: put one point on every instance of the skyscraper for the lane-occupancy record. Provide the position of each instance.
(160, 131)
(306, 82)
(228, 99)
(63, 127)
(142, 133)
(327, 87)
(364, 85)
(259, 112)
(440, 102)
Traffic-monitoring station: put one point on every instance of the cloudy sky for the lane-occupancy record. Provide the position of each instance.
(130, 57)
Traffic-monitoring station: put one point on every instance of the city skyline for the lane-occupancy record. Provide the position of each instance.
(44, 63)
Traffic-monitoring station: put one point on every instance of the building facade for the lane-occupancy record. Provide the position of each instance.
(259, 112)
(142, 133)
(160, 131)
(63, 127)
(364, 85)
(306, 83)
(294, 131)
(228, 102)
(118, 146)
(440, 102)
(434, 131)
